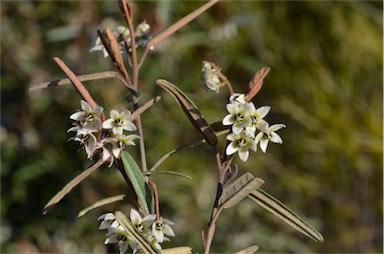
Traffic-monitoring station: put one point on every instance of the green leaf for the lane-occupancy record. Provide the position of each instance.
(193, 114)
(239, 189)
(72, 184)
(280, 210)
(136, 177)
(177, 250)
(250, 250)
(144, 244)
(171, 173)
(101, 202)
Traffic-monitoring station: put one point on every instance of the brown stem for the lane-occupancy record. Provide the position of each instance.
(179, 24)
(78, 85)
(156, 195)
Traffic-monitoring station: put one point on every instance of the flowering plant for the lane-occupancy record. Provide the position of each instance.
(106, 139)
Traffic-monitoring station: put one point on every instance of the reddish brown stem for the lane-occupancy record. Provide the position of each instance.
(156, 195)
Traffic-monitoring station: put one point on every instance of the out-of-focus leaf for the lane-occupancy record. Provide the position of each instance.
(250, 250)
(239, 189)
(280, 210)
(67, 188)
(191, 111)
(172, 173)
(256, 83)
(85, 77)
(145, 245)
(137, 179)
(104, 201)
(177, 250)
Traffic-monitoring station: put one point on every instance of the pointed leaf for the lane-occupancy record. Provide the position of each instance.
(280, 210)
(239, 189)
(137, 179)
(145, 245)
(104, 201)
(85, 77)
(250, 250)
(67, 188)
(172, 173)
(193, 114)
(177, 250)
(256, 83)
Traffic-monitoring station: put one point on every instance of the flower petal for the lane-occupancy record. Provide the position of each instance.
(229, 119)
(275, 138)
(231, 148)
(276, 127)
(243, 153)
(264, 144)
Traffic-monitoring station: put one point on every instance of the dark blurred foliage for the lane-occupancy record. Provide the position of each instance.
(325, 84)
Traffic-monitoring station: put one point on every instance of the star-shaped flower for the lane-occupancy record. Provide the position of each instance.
(241, 143)
(88, 117)
(268, 133)
(141, 223)
(119, 142)
(119, 122)
(161, 227)
(238, 117)
(257, 116)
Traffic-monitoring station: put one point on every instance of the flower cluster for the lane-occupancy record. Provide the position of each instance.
(122, 35)
(246, 121)
(108, 136)
(151, 228)
(209, 78)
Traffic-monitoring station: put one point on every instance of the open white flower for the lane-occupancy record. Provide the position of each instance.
(142, 224)
(268, 133)
(162, 227)
(257, 116)
(119, 142)
(86, 138)
(89, 118)
(119, 122)
(238, 117)
(241, 143)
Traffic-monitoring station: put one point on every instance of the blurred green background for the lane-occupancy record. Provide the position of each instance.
(325, 84)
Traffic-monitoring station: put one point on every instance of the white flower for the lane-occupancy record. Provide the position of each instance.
(119, 142)
(119, 122)
(237, 98)
(87, 138)
(241, 143)
(238, 117)
(161, 227)
(89, 118)
(257, 116)
(268, 134)
(108, 219)
(139, 223)
(116, 233)
(99, 47)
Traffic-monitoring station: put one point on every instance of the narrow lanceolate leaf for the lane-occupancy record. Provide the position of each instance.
(256, 83)
(250, 250)
(280, 210)
(177, 250)
(191, 111)
(239, 189)
(67, 188)
(82, 78)
(137, 179)
(144, 244)
(101, 202)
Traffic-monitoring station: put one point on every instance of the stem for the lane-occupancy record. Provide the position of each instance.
(135, 81)
(222, 168)
(156, 195)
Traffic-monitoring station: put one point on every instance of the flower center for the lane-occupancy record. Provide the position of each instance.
(242, 142)
(159, 226)
(239, 117)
